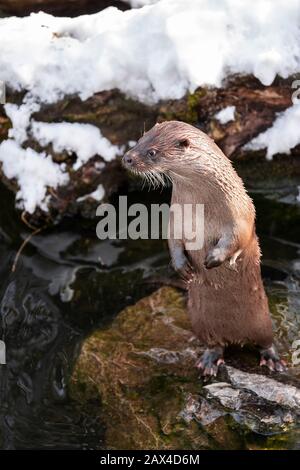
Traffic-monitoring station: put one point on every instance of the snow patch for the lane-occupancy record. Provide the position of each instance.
(98, 194)
(20, 117)
(226, 115)
(33, 171)
(85, 140)
(282, 136)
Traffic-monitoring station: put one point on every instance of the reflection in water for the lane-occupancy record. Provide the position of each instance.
(40, 345)
(66, 284)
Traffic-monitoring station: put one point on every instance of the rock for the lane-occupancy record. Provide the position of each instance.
(268, 389)
(262, 404)
(228, 396)
(142, 370)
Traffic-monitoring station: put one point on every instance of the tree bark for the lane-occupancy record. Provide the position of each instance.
(58, 7)
(122, 119)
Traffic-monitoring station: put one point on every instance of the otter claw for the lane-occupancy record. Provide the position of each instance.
(186, 272)
(278, 366)
(210, 371)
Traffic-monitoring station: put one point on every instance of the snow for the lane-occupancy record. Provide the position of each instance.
(20, 118)
(158, 51)
(155, 52)
(226, 115)
(98, 194)
(85, 140)
(282, 136)
(34, 172)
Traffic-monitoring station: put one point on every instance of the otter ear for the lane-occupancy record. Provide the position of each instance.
(183, 143)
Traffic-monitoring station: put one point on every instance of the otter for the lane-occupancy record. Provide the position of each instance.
(227, 302)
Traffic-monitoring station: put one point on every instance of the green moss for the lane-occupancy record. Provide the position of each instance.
(185, 109)
(193, 100)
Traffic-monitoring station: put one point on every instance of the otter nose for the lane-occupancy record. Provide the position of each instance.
(127, 159)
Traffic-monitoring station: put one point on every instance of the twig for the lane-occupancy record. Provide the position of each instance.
(27, 240)
(25, 221)
(53, 193)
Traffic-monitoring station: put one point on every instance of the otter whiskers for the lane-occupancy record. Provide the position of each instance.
(154, 179)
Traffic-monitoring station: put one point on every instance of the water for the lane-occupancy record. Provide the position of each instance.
(68, 283)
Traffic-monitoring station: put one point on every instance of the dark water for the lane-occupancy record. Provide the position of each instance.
(67, 283)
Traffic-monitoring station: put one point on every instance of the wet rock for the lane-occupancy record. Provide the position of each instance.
(264, 405)
(142, 369)
(142, 383)
(268, 389)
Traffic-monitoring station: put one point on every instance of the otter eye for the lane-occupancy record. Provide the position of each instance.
(151, 153)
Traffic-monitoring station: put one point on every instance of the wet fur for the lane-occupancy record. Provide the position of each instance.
(227, 304)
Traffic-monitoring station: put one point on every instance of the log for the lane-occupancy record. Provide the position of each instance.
(122, 119)
(58, 7)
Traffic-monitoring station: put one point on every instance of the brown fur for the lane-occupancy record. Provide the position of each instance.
(227, 304)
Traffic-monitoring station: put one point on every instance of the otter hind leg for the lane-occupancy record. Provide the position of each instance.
(269, 357)
(210, 361)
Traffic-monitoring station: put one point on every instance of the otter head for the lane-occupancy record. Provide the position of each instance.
(162, 151)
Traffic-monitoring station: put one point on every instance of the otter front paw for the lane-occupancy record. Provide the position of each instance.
(214, 258)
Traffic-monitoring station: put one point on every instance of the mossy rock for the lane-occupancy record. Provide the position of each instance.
(139, 378)
(142, 367)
